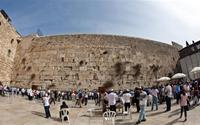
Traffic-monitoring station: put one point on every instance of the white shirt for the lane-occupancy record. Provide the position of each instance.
(154, 92)
(23, 90)
(31, 93)
(143, 98)
(37, 92)
(126, 97)
(46, 101)
(112, 98)
(168, 91)
(86, 95)
(187, 89)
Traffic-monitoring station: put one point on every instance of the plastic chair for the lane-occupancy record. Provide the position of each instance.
(64, 114)
(109, 116)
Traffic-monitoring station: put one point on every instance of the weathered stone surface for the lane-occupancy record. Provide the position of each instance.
(8, 44)
(91, 60)
(82, 60)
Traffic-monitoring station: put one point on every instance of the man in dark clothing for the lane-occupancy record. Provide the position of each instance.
(137, 100)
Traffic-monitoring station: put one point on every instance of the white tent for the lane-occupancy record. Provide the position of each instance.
(178, 76)
(195, 70)
(162, 79)
(195, 73)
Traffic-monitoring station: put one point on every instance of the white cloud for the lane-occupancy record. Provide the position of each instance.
(186, 11)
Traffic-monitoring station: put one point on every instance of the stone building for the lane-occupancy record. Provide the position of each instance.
(87, 60)
(190, 58)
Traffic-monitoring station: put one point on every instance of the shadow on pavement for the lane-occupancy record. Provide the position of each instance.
(127, 123)
(56, 119)
(175, 112)
(43, 115)
(156, 113)
(38, 113)
(174, 121)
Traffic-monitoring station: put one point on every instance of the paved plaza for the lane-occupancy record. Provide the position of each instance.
(19, 111)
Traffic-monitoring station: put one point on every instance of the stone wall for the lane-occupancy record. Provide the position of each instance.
(87, 61)
(9, 39)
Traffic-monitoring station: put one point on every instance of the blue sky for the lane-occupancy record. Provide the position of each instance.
(161, 20)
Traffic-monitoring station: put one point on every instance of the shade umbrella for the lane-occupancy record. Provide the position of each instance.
(178, 76)
(195, 70)
(162, 79)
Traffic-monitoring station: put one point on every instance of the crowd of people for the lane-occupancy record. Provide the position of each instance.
(185, 93)
(50, 97)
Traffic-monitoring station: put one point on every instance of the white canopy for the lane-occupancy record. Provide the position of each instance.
(163, 79)
(178, 75)
(195, 70)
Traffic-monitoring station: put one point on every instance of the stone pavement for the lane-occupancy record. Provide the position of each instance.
(20, 111)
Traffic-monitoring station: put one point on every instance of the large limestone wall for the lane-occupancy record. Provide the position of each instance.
(87, 61)
(8, 43)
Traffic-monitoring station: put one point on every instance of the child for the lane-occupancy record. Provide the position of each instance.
(183, 104)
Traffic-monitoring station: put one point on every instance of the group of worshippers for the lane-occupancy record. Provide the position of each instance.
(183, 92)
(126, 99)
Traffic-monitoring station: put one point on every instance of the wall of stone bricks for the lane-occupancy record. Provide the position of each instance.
(8, 43)
(88, 61)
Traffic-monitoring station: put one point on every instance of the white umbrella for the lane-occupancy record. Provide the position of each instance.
(178, 75)
(163, 79)
(195, 70)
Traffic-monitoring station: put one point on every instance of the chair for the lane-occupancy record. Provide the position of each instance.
(109, 116)
(63, 114)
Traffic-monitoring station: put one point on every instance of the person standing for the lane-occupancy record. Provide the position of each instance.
(95, 96)
(86, 98)
(177, 92)
(186, 89)
(127, 100)
(52, 97)
(143, 103)
(196, 94)
(137, 100)
(79, 96)
(168, 96)
(183, 104)
(46, 105)
(112, 98)
(154, 93)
